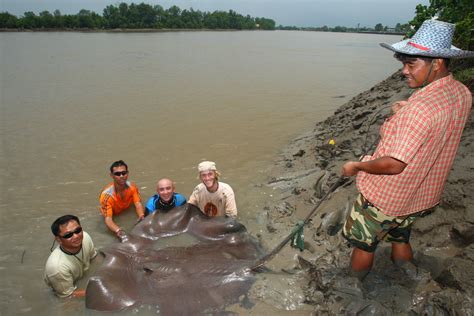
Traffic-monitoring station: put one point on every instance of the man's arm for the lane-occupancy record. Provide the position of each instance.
(137, 202)
(398, 106)
(230, 205)
(79, 293)
(383, 165)
(140, 211)
(109, 222)
(61, 281)
(193, 199)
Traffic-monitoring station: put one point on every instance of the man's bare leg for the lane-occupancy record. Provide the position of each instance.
(401, 252)
(361, 263)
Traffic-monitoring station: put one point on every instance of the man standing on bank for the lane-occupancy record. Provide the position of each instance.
(212, 197)
(68, 262)
(405, 177)
(118, 196)
(165, 198)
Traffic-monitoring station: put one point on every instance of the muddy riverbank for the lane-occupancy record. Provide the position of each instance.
(441, 280)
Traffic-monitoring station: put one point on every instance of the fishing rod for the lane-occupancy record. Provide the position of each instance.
(340, 181)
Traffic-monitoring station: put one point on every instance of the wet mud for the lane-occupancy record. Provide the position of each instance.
(440, 281)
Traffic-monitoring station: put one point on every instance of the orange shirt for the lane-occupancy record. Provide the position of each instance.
(112, 203)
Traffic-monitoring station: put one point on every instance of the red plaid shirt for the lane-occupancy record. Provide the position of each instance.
(425, 135)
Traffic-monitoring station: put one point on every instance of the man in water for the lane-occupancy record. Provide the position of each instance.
(405, 177)
(68, 262)
(212, 197)
(118, 196)
(165, 199)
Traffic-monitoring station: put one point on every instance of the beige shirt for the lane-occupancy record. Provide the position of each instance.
(63, 270)
(219, 203)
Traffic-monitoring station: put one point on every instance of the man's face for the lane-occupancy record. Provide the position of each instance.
(120, 175)
(416, 72)
(208, 178)
(70, 235)
(165, 189)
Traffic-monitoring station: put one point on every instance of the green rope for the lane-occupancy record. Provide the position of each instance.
(298, 238)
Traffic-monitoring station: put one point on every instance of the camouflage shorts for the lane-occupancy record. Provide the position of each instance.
(366, 226)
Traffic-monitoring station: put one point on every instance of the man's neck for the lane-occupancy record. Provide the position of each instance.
(441, 75)
(120, 187)
(437, 74)
(71, 251)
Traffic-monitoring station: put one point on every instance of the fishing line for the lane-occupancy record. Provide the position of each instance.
(299, 227)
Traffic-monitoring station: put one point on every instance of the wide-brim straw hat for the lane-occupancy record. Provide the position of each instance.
(433, 39)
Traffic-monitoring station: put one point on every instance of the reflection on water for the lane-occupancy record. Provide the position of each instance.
(72, 103)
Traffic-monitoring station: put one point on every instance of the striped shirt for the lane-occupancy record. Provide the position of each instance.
(425, 135)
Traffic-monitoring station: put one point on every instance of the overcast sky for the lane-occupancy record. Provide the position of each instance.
(284, 12)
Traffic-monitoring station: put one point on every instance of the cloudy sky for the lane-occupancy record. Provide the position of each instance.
(284, 12)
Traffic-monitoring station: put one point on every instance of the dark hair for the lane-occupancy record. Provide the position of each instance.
(118, 163)
(406, 57)
(61, 221)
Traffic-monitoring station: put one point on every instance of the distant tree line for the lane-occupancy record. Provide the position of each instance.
(136, 16)
(378, 28)
(460, 12)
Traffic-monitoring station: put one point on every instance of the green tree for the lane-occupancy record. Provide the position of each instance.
(378, 27)
(172, 18)
(402, 28)
(147, 16)
(111, 17)
(30, 21)
(46, 19)
(58, 19)
(8, 20)
(71, 21)
(265, 24)
(192, 19)
(89, 19)
(339, 28)
(422, 13)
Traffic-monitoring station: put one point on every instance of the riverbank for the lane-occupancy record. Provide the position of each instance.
(441, 280)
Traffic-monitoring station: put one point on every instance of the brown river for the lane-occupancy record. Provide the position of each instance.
(72, 103)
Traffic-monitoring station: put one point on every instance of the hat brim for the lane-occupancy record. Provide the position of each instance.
(403, 48)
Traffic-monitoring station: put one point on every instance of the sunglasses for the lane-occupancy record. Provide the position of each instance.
(120, 173)
(77, 231)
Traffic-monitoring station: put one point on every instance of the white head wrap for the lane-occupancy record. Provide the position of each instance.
(207, 165)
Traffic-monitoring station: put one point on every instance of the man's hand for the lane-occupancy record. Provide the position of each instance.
(398, 105)
(122, 235)
(350, 169)
(79, 293)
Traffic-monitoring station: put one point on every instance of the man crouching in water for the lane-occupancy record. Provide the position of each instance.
(118, 196)
(68, 262)
(213, 197)
(405, 177)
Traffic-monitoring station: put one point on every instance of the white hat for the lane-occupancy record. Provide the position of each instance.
(207, 165)
(433, 39)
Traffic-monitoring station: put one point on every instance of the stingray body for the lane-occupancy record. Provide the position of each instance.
(203, 277)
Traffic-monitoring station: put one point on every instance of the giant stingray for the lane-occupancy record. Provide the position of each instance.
(203, 277)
